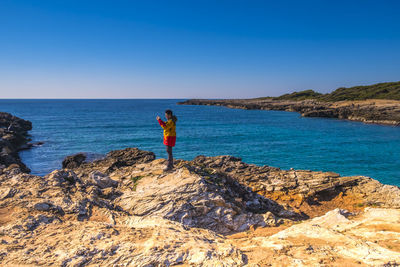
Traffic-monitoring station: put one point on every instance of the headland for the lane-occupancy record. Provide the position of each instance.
(378, 103)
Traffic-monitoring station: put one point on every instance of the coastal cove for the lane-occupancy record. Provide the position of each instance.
(105, 213)
(210, 211)
(275, 138)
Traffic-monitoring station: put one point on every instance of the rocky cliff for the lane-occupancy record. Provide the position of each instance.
(368, 111)
(212, 211)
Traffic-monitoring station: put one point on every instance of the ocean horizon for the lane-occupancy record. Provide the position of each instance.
(274, 138)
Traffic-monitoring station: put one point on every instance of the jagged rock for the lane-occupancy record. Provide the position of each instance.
(15, 124)
(99, 220)
(308, 192)
(198, 199)
(135, 214)
(73, 161)
(117, 159)
(130, 156)
(336, 238)
(13, 137)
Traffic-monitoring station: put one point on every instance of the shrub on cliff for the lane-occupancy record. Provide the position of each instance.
(389, 90)
(302, 95)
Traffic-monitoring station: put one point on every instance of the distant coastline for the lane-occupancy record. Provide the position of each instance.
(378, 103)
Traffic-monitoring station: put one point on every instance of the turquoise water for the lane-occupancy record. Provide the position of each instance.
(275, 138)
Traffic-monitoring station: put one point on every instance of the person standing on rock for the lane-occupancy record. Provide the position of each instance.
(169, 135)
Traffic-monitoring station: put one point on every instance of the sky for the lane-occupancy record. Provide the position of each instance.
(194, 48)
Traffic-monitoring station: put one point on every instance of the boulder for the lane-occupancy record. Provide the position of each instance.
(114, 160)
(73, 161)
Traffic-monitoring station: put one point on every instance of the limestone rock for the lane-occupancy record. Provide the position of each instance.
(198, 199)
(212, 211)
(308, 192)
(336, 238)
(117, 159)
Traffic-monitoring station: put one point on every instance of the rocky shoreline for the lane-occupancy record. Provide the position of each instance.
(124, 210)
(375, 111)
(13, 138)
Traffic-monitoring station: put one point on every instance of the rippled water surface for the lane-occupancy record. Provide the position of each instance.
(275, 138)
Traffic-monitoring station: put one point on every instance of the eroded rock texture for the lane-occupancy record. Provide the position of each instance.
(123, 210)
(307, 192)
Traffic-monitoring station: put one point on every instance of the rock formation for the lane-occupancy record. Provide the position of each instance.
(368, 111)
(212, 211)
(13, 137)
(338, 238)
(307, 192)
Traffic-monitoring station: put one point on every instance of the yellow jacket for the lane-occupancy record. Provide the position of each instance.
(169, 132)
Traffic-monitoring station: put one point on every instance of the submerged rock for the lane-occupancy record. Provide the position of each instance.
(30, 145)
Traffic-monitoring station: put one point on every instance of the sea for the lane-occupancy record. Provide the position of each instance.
(274, 138)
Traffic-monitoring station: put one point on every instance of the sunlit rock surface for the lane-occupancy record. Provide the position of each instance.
(123, 210)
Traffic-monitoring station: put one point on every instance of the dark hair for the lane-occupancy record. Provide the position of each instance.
(173, 117)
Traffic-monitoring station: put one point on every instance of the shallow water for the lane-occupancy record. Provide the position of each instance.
(275, 138)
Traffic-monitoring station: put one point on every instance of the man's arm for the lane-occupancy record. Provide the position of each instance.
(160, 121)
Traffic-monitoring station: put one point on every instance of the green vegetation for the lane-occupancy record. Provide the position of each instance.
(135, 181)
(307, 94)
(376, 91)
(390, 90)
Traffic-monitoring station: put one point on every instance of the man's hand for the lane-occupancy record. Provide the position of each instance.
(158, 117)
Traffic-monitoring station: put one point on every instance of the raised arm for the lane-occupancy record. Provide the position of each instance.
(161, 122)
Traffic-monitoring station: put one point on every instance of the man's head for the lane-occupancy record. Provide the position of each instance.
(168, 114)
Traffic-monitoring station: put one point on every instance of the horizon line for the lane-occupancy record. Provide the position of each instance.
(83, 98)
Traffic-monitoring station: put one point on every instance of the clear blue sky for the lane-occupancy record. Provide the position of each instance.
(187, 49)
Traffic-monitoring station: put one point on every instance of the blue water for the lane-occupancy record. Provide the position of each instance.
(275, 138)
